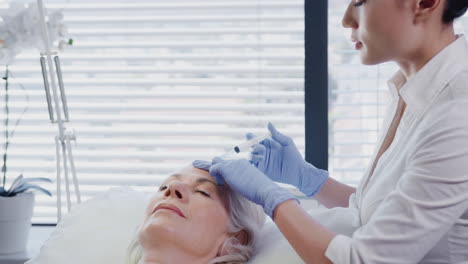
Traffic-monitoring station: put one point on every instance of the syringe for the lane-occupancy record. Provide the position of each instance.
(245, 145)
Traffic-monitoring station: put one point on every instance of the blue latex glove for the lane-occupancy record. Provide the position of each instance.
(280, 160)
(247, 180)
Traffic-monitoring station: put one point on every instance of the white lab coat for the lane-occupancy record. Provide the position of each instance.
(414, 207)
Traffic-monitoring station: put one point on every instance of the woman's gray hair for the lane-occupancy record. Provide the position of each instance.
(243, 215)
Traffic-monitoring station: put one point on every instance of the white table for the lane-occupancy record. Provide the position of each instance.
(37, 236)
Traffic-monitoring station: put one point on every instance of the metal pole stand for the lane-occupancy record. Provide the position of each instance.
(62, 141)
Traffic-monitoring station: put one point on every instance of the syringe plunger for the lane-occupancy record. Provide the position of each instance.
(249, 143)
(245, 146)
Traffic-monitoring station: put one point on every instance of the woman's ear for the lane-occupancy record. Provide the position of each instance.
(233, 239)
(426, 8)
(243, 237)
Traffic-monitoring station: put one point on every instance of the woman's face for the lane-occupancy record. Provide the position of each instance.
(382, 29)
(186, 213)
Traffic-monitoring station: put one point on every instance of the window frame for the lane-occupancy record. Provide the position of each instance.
(316, 82)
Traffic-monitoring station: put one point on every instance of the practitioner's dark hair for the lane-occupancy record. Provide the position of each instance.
(454, 9)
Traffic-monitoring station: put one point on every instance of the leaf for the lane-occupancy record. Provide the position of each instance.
(37, 179)
(19, 182)
(16, 183)
(27, 186)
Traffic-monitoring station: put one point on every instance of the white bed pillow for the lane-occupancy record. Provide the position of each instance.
(274, 247)
(97, 231)
(100, 230)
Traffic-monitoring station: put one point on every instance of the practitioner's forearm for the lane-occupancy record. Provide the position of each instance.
(308, 238)
(334, 194)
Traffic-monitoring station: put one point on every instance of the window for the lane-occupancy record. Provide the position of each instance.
(358, 96)
(152, 85)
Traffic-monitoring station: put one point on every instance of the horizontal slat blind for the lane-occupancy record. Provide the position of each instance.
(153, 85)
(357, 102)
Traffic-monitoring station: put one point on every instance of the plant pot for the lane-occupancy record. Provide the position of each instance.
(15, 222)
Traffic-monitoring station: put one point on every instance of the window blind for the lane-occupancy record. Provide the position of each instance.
(358, 97)
(153, 85)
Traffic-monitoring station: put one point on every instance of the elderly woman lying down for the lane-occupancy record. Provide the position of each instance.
(190, 219)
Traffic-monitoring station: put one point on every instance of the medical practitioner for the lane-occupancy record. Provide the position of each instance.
(412, 203)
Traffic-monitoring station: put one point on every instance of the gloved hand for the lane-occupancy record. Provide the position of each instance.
(280, 160)
(247, 180)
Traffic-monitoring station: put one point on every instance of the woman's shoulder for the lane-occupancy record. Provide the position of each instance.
(452, 102)
(448, 114)
(458, 86)
(442, 130)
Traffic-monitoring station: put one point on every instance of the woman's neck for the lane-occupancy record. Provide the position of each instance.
(432, 45)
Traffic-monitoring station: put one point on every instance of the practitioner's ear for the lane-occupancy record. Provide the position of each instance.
(424, 9)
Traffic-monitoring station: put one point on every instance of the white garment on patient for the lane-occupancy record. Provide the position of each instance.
(413, 208)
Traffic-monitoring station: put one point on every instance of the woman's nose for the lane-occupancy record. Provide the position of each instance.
(348, 20)
(177, 191)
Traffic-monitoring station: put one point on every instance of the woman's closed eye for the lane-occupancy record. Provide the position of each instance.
(204, 193)
(207, 194)
(360, 3)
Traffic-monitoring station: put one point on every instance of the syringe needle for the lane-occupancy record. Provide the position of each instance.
(227, 154)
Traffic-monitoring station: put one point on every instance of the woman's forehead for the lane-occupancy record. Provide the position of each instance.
(190, 173)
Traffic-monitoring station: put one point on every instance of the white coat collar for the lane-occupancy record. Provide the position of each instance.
(418, 91)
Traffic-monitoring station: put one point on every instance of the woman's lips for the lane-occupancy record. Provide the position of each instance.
(169, 207)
